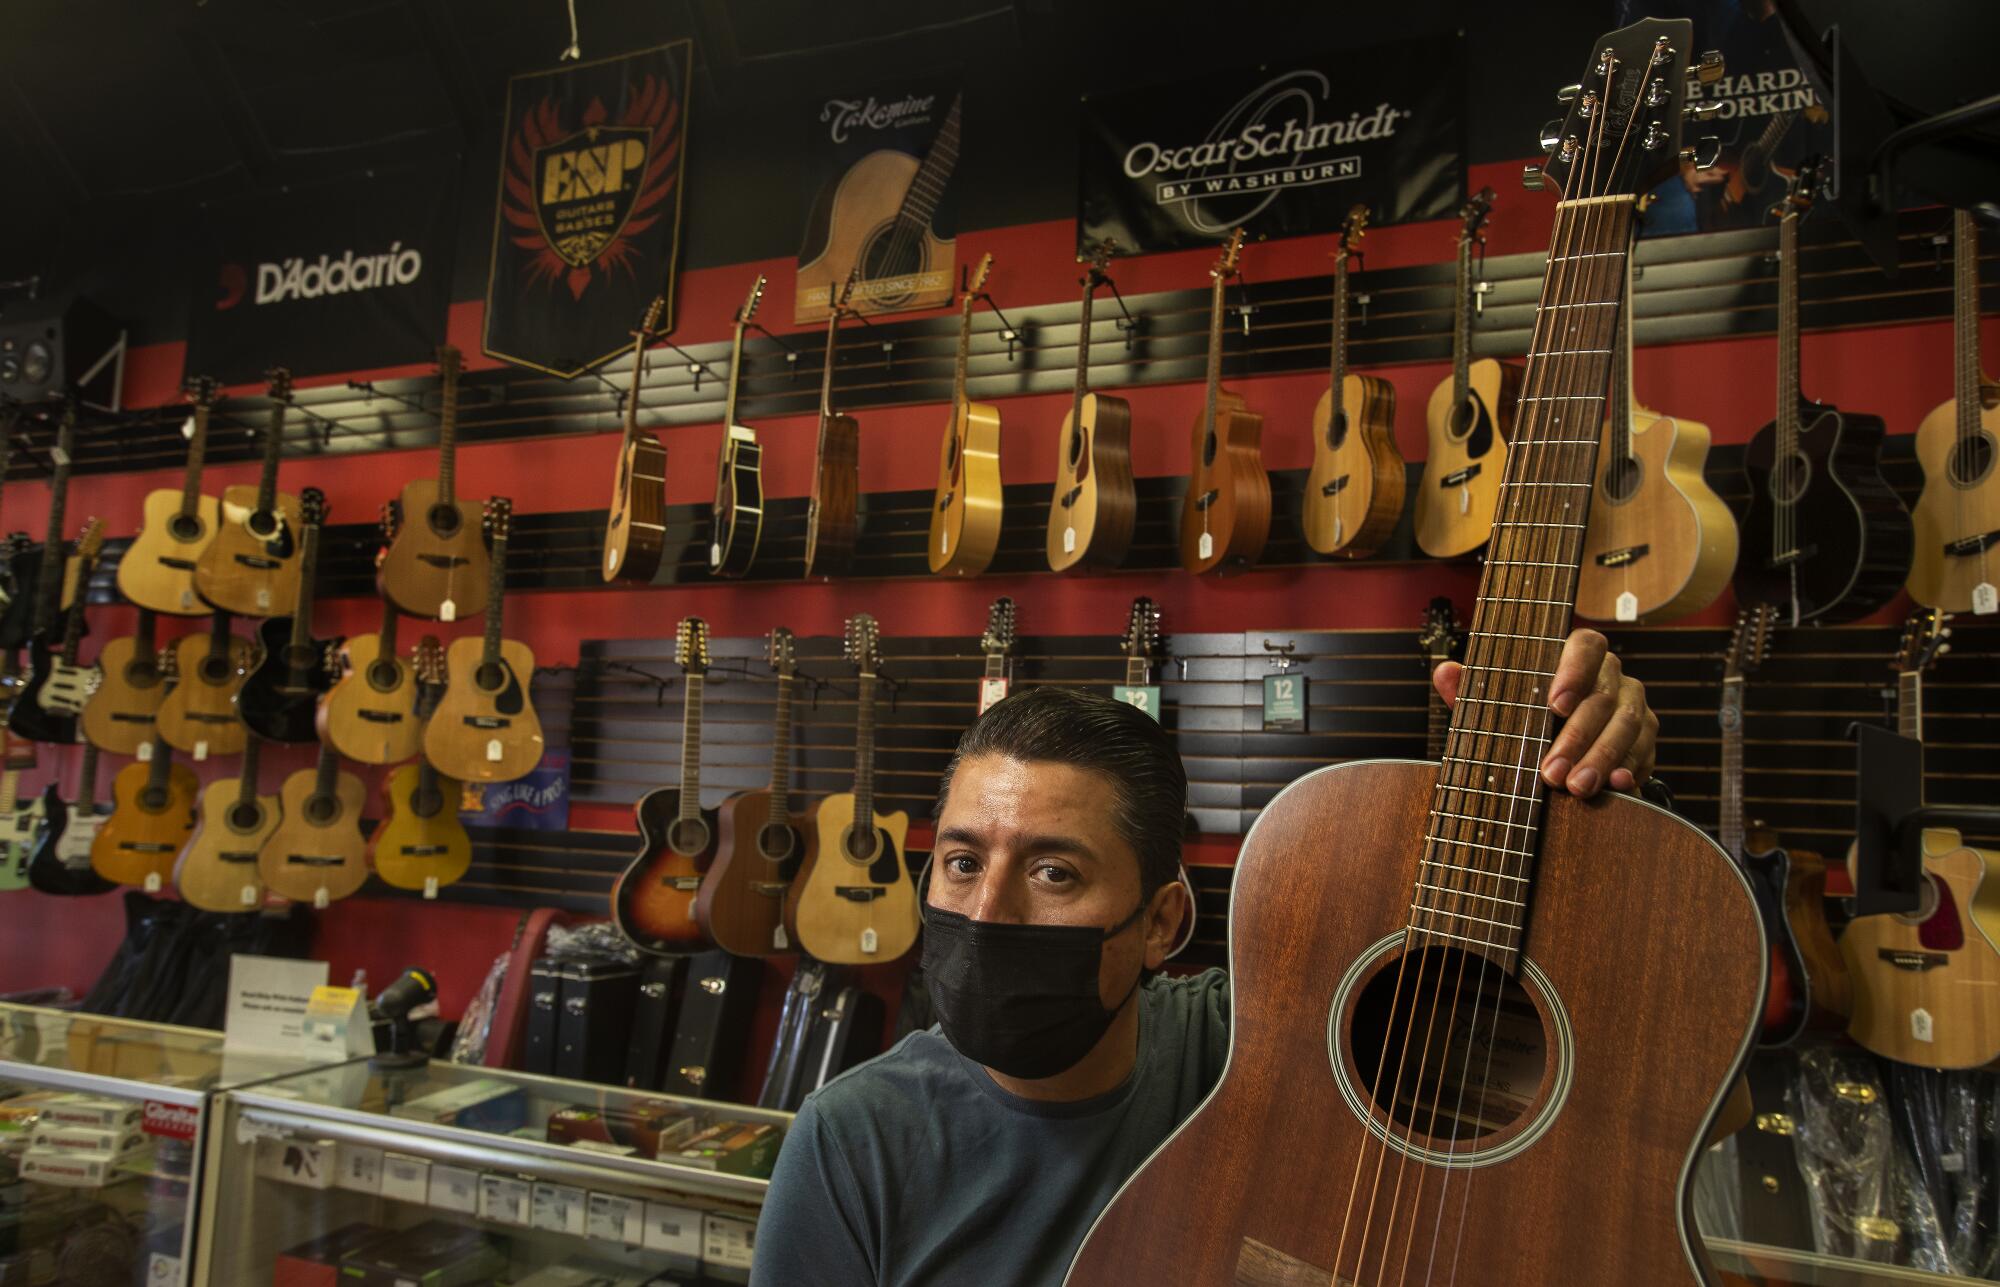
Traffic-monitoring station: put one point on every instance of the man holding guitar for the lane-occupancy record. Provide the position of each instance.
(981, 1151)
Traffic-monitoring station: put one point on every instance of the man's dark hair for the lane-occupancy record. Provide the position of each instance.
(1121, 743)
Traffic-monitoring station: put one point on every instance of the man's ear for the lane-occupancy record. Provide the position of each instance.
(1163, 921)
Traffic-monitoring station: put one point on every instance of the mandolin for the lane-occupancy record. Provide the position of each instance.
(56, 689)
(19, 825)
(853, 901)
(965, 507)
(485, 728)
(1389, 919)
(217, 872)
(157, 571)
(635, 533)
(422, 844)
(653, 902)
(1441, 640)
(997, 643)
(120, 715)
(29, 616)
(279, 699)
(152, 816)
(436, 566)
(60, 863)
(199, 716)
(251, 565)
(1661, 543)
(317, 852)
(737, 517)
(832, 511)
(1093, 507)
(759, 843)
(1354, 492)
(1824, 538)
(1227, 514)
(1469, 421)
(1957, 517)
(370, 713)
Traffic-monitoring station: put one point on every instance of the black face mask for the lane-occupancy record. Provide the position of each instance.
(1020, 999)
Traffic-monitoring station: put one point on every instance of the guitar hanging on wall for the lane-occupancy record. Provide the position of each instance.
(317, 853)
(45, 568)
(1354, 491)
(997, 642)
(218, 872)
(760, 841)
(635, 532)
(157, 571)
(653, 901)
(422, 844)
(832, 511)
(370, 713)
(1093, 507)
(1141, 646)
(60, 863)
(199, 716)
(152, 816)
(1226, 516)
(279, 700)
(485, 728)
(120, 715)
(738, 512)
(436, 566)
(966, 504)
(251, 567)
(58, 685)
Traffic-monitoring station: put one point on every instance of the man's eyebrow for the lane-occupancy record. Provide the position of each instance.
(1039, 844)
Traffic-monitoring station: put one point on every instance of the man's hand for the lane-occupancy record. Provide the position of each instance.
(1610, 733)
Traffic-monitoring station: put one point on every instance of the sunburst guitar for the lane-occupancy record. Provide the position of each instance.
(653, 901)
(1354, 492)
(218, 871)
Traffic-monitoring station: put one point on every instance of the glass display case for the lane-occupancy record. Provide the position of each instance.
(442, 1174)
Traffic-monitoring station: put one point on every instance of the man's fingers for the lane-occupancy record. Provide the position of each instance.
(1620, 734)
(1580, 670)
(1576, 738)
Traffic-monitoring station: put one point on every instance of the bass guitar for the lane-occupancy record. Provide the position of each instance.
(485, 728)
(965, 508)
(120, 715)
(997, 642)
(853, 901)
(653, 902)
(759, 841)
(370, 713)
(19, 825)
(152, 816)
(1441, 640)
(1227, 514)
(279, 699)
(422, 844)
(251, 566)
(833, 510)
(1457, 908)
(737, 517)
(56, 689)
(30, 616)
(1957, 517)
(157, 571)
(199, 716)
(317, 853)
(1093, 507)
(436, 566)
(1354, 492)
(60, 863)
(217, 872)
(1824, 538)
(1469, 422)
(635, 533)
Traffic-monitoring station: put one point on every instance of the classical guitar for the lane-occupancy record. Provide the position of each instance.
(57, 687)
(1093, 507)
(317, 852)
(1442, 639)
(157, 571)
(45, 568)
(152, 816)
(251, 565)
(1390, 919)
(422, 844)
(853, 901)
(279, 699)
(370, 713)
(1469, 420)
(19, 825)
(485, 728)
(966, 504)
(737, 517)
(1661, 543)
(832, 511)
(653, 901)
(997, 643)
(1227, 513)
(199, 716)
(1824, 538)
(635, 533)
(1925, 983)
(436, 566)
(120, 715)
(1354, 492)
(60, 863)
(760, 841)
(217, 872)
(1957, 517)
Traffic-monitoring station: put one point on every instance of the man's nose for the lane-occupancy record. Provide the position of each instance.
(999, 897)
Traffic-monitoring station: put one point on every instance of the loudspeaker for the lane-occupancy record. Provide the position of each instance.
(46, 347)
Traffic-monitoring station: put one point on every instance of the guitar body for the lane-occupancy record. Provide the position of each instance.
(1229, 475)
(279, 700)
(1277, 1150)
(217, 871)
(833, 518)
(1815, 994)
(1960, 503)
(1468, 454)
(965, 514)
(317, 844)
(438, 556)
(157, 571)
(484, 728)
(1093, 497)
(861, 226)
(35, 720)
(138, 843)
(20, 831)
(199, 716)
(1354, 492)
(415, 849)
(1943, 965)
(1854, 530)
(251, 566)
(741, 902)
(60, 863)
(1657, 529)
(635, 534)
(120, 715)
(653, 901)
(739, 509)
(17, 620)
(370, 713)
(849, 910)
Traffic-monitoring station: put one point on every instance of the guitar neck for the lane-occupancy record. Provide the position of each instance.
(1339, 374)
(308, 577)
(1788, 336)
(1622, 383)
(735, 378)
(1214, 375)
(1461, 324)
(1082, 352)
(632, 394)
(54, 562)
(496, 591)
(448, 438)
(143, 645)
(246, 782)
(386, 636)
(1965, 323)
(927, 187)
(691, 746)
(781, 755)
(160, 770)
(326, 776)
(826, 375)
(197, 457)
(1910, 704)
(964, 358)
(864, 751)
(274, 447)
(1730, 829)
(10, 791)
(86, 780)
(73, 625)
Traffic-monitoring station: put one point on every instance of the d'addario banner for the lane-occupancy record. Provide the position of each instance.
(334, 277)
(587, 227)
(1281, 151)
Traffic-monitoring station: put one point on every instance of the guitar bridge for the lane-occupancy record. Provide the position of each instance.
(1459, 477)
(1207, 498)
(769, 888)
(1978, 543)
(1624, 558)
(442, 562)
(1336, 487)
(859, 893)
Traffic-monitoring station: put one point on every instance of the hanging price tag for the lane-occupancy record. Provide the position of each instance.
(992, 690)
(1205, 546)
(1628, 607)
(448, 610)
(1985, 599)
(1145, 696)
(1284, 703)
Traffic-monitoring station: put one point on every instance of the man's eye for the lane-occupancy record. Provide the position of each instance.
(1054, 874)
(961, 864)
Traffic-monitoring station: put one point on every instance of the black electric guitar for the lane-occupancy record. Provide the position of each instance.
(738, 515)
(60, 863)
(280, 698)
(57, 687)
(42, 568)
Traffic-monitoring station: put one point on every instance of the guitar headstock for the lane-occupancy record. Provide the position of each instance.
(691, 645)
(312, 507)
(1750, 642)
(498, 518)
(782, 651)
(91, 543)
(1353, 228)
(1803, 189)
(1478, 208)
(862, 643)
(1621, 132)
(1442, 635)
(448, 361)
(998, 640)
(428, 662)
(1926, 637)
(847, 290)
(651, 321)
(202, 390)
(280, 387)
(1232, 255)
(1100, 260)
(1142, 630)
(751, 301)
(979, 277)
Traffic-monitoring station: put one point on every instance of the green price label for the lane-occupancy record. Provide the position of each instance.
(1284, 703)
(1145, 696)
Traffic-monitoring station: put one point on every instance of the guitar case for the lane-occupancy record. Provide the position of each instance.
(846, 1029)
(594, 1018)
(538, 1045)
(661, 982)
(714, 1024)
(784, 1074)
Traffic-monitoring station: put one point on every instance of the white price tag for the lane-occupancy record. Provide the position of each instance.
(163, 1270)
(1628, 607)
(145, 752)
(453, 1188)
(1069, 540)
(715, 554)
(1205, 546)
(321, 898)
(726, 1242)
(360, 1168)
(991, 691)
(673, 1230)
(869, 941)
(558, 1208)
(430, 887)
(448, 610)
(58, 455)
(779, 939)
(503, 1200)
(611, 560)
(610, 1218)
(944, 542)
(152, 882)
(200, 751)
(1921, 1026)
(249, 896)
(187, 598)
(264, 599)
(1985, 599)
(405, 1178)
(1465, 500)
(494, 753)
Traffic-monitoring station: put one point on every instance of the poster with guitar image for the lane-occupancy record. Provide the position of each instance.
(879, 173)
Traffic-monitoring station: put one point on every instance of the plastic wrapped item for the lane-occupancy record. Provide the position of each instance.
(1846, 1151)
(594, 938)
(1718, 1193)
(468, 1046)
(1944, 1162)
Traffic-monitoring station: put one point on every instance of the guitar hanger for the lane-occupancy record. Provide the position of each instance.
(1127, 325)
(1008, 332)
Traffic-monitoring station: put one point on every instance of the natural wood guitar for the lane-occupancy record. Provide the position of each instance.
(485, 728)
(157, 571)
(653, 901)
(966, 504)
(279, 699)
(1457, 908)
(370, 713)
(833, 517)
(635, 532)
(60, 863)
(199, 716)
(218, 870)
(57, 686)
(1226, 516)
(760, 841)
(436, 566)
(1354, 492)
(1093, 507)
(736, 518)
(422, 844)
(251, 566)
(152, 816)
(317, 853)
(120, 715)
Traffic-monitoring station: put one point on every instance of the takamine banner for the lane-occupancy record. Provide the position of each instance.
(1281, 150)
(587, 227)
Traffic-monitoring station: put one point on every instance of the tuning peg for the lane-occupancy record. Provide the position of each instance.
(1704, 152)
(1708, 68)
(1531, 178)
(1551, 135)
(1655, 139)
(1567, 94)
(1701, 113)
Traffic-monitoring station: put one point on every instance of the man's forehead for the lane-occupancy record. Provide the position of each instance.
(994, 797)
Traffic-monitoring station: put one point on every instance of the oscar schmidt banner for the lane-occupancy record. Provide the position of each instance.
(1281, 150)
(587, 226)
(335, 277)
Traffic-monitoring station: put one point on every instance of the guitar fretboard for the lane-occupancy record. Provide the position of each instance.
(1339, 373)
(1784, 536)
(1965, 323)
(197, 457)
(496, 591)
(1461, 324)
(691, 747)
(448, 433)
(864, 751)
(1730, 827)
(927, 187)
(781, 753)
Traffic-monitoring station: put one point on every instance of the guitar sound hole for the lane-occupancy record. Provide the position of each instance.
(444, 520)
(775, 843)
(951, 455)
(1790, 478)
(1425, 1025)
(860, 843)
(1336, 431)
(688, 835)
(1463, 417)
(185, 528)
(489, 675)
(1971, 460)
(262, 524)
(1621, 479)
(214, 669)
(321, 809)
(892, 251)
(152, 799)
(245, 817)
(382, 674)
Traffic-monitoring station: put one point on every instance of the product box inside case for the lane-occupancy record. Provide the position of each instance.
(482, 1104)
(88, 1110)
(649, 1127)
(590, 1273)
(105, 1141)
(435, 1253)
(737, 1148)
(317, 1263)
